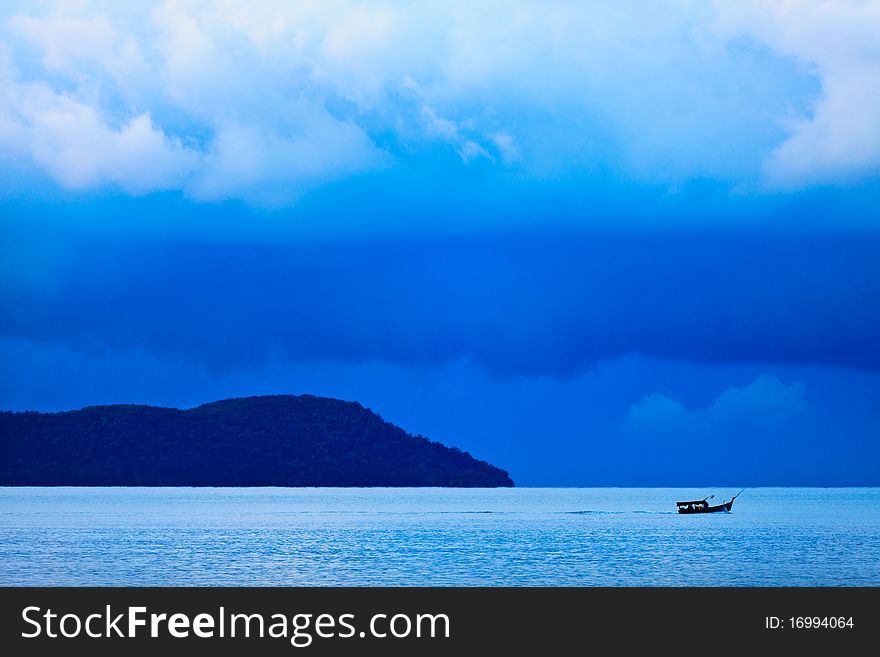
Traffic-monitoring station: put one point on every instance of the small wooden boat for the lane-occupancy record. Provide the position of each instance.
(703, 506)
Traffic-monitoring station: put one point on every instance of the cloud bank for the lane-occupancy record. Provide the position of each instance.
(264, 102)
(532, 304)
(765, 404)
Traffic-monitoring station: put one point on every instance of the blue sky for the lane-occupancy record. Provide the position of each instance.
(568, 237)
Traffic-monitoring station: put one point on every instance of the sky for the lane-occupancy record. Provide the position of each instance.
(593, 243)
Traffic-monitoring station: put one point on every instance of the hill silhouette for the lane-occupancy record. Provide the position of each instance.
(279, 440)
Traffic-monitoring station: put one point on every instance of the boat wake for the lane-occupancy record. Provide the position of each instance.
(614, 513)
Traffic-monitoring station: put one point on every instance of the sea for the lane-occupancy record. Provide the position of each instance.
(436, 537)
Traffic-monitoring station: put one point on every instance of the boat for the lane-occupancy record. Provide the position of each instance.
(703, 506)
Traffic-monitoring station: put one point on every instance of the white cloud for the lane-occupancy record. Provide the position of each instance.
(61, 123)
(81, 151)
(78, 46)
(506, 146)
(78, 148)
(449, 131)
(765, 403)
(840, 139)
(223, 99)
(247, 162)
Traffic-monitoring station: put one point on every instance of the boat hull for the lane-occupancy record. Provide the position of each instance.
(708, 509)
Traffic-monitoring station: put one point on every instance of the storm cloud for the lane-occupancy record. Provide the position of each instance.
(533, 304)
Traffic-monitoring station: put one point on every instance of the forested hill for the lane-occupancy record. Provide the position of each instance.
(281, 440)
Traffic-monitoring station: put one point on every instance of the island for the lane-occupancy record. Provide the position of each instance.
(277, 440)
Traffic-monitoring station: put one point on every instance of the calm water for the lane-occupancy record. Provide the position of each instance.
(590, 536)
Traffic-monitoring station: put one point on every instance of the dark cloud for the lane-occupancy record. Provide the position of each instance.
(526, 304)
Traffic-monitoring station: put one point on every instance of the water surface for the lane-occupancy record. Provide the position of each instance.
(424, 537)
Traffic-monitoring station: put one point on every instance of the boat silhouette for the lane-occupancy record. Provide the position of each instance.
(703, 506)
